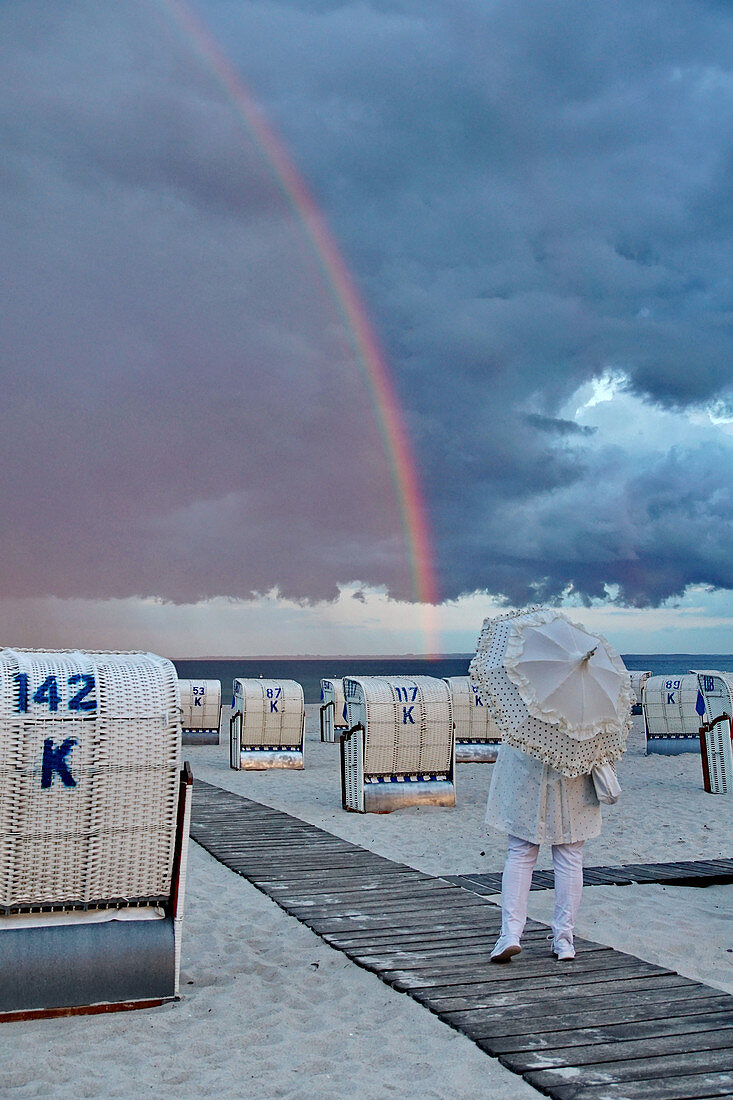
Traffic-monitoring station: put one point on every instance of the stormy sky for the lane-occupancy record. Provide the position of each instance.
(534, 202)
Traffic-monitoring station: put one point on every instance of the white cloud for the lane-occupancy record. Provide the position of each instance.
(699, 622)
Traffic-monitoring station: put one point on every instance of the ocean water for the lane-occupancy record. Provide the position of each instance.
(309, 671)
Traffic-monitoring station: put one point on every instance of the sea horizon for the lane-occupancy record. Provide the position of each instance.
(396, 656)
(310, 670)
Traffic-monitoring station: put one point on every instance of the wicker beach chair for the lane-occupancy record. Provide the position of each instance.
(94, 814)
(267, 725)
(400, 749)
(638, 678)
(717, 755)
(477, 735)
(201, 706)
(333, 707)
(675, 706)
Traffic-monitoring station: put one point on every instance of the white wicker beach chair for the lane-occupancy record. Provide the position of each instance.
(333, 707)
(717, 755)
(638, 679)
(94, 816)
(477, 735)
(201, 706)
(267, 725)
(400, 749)
(675, 707)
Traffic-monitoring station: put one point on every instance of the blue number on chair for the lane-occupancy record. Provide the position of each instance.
(48, 692)
(79, 701)
(21, 680)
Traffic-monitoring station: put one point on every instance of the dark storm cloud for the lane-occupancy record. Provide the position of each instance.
(534, 195)
(183, 412)
(650, 533)
(529, 195)
(557, 426)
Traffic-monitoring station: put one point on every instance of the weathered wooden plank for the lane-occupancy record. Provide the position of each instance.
(596, 1054)
(430, 938)
(407, 905)
(651, 1067)
(482, 928)
(316, 852)
(433, 939)
(243, 838)
(260, 862)
(560, 1038)
(422, 939)
(273, 832)
(540, 1018)
(660, 871)
(314, 875)
(388, 888)
(300, 848)
(476, 888)
(452, 998)
(485, 879)
(417, 922)
(455, 957)
(718, 865)
(303, 852)
(319, 904)
(446, 992)
(308, 844)
(386, 885)
(682, 872)
(692, 1087)
(234, 826)
(595, 877)
(310, 886)
(413, 980)
(698, 866)
(638, 872)
(513, 1005)
(312, 881)
(279, 864)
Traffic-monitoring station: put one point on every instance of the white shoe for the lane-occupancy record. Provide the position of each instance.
(562, 949)
(504, 950)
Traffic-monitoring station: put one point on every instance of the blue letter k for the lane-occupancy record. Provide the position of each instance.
(54, 760)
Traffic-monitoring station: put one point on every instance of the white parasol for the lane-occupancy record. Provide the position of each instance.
(557, 691)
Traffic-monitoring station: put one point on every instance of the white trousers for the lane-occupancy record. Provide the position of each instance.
(567, 860)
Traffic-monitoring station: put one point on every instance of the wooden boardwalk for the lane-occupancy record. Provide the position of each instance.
(699, 872)
(606, 1027)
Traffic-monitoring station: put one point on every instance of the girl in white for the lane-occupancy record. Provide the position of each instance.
(535, 804)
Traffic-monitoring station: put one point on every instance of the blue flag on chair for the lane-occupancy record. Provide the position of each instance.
(700, 704)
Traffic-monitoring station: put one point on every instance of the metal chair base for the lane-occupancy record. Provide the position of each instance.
(260, 760)
(383, 798)
(484, 752)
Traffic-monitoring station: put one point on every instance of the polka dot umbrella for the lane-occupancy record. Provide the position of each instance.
(556, 691)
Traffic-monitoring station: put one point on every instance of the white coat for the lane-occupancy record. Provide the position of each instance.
(532, 801)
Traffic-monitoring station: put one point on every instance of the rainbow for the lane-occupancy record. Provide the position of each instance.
(372, 361)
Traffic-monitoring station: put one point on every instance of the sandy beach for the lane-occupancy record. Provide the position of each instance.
(269, 1010)
(664, 815)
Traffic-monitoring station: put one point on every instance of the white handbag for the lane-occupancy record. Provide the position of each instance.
(606, 784)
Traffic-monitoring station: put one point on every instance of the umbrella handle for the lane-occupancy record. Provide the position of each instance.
(589, 654)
